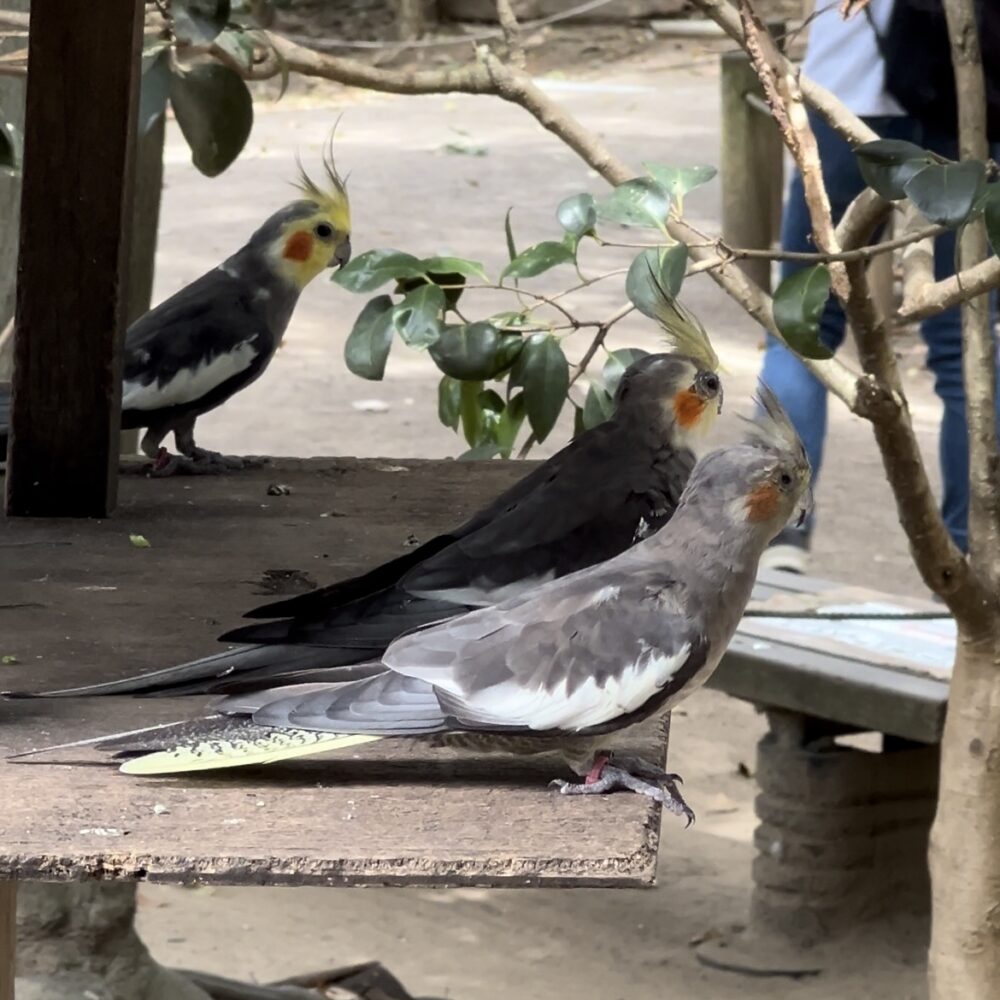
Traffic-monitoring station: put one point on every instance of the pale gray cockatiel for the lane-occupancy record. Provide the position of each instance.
(558, 669)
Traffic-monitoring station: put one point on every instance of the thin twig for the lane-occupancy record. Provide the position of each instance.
(511, 33)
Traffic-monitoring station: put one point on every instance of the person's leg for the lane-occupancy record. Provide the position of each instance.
(943, 336)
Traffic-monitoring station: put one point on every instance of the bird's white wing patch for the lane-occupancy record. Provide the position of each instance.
(591, 704)
(189, 384)
(481, 594)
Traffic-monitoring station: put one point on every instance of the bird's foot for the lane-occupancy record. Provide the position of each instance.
(198, 463)
(611, 773)
(214, 462)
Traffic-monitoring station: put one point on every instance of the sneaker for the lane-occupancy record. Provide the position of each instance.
(788, 552)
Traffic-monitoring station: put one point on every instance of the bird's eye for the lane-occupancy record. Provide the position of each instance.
(785, 479)
(710, 382)
(323, 230)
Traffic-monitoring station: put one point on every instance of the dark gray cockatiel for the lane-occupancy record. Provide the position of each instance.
(610, 486)
(215, 336)
(558, 668)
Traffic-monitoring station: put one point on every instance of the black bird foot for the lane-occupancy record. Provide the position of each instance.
(198, 463)
(631, 774)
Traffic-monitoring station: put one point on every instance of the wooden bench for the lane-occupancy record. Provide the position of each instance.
(843, 822)
(79, 601)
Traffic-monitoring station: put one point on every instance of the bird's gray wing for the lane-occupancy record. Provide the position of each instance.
(197, 340)
(591, 652)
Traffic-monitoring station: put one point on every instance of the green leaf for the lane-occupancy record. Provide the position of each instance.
(373, 268)
(509, 234)
(215, 113)
(887, 164)
(472, 415)
(198, 21)
(454, 265)
(475, 351)
(139, 541)
(677, 181)
(577, 214)
(154, 89)
(450, 402)
(616, 364)
(10, 147)
(537, 259)
(798, 305)
(417, 318)
(543, 371)
(668, 265)
(639, 202)
(238, 45)
(481, 453)
(597, 407)
(509, 425)
(946, 193)
(991, 213)
(368, 343)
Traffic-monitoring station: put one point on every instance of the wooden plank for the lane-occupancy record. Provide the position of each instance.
(391, 813)
(8, 938)
(832, 679)
(71, 299)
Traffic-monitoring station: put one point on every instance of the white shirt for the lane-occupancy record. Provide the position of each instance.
(844, 57)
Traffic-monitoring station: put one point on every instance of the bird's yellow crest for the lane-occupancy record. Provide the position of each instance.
(310, 243)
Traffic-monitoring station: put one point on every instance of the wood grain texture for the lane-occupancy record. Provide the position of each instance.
(94, 607)
(73, 259)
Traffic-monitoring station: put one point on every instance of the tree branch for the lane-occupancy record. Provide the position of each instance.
(488, 75)
(918, 260)
(941, 295)
(978, 349)
(511, 33)
(849, 125)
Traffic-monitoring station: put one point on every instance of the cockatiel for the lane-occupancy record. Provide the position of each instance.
(610, 486)
(214, 337)
(557, 668)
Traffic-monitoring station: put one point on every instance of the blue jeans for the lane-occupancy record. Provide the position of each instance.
(801, 393)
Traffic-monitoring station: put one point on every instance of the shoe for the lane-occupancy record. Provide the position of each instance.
(788, 552)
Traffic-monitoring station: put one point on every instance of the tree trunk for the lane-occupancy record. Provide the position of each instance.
(965, 837)
(78, 940)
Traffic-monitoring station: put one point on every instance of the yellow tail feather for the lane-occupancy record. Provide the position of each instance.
(209, 754)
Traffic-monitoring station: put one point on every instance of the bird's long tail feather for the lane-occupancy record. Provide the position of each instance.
(222, 672)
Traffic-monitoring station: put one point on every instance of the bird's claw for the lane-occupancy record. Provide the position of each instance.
(634, 775)
(198, 462)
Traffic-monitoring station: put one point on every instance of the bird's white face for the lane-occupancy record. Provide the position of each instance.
(696, 404)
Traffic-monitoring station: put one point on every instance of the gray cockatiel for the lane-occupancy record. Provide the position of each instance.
(612, 485)
(556, 669)
(215, 336)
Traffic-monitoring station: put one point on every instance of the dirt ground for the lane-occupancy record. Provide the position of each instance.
(658, 104)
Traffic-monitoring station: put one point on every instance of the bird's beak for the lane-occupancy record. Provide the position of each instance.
(719, 410)
(343, 253)
(804, 508)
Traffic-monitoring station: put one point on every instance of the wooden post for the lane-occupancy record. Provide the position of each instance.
(750, 167)
(8, 938)
(83, 78)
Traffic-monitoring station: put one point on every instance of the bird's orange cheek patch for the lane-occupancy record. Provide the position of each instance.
(298, 247)
(762, 503)
(688, 408)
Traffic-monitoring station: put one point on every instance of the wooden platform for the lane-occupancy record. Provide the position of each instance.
(80, 602)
